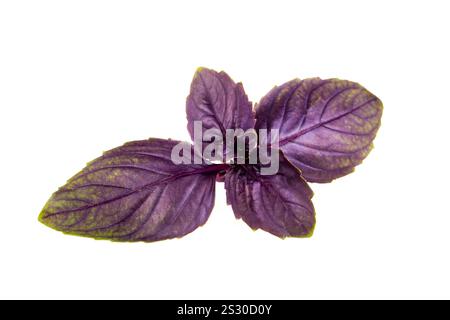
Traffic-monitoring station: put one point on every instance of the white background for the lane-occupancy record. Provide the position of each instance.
(81, 77)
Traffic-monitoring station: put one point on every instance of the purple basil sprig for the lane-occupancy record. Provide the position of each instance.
(137, 193)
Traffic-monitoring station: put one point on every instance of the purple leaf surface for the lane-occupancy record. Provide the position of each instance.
(326, 126)
(279, 204)
(217, 101)
(134, 193)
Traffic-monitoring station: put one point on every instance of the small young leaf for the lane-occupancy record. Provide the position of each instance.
(217, 101)
(279, 204)
(134, 193)
(326, 126)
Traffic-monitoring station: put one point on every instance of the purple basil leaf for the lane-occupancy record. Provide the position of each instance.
(134, 193)
(326, 126)
(218, 102)
(279, 204)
